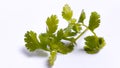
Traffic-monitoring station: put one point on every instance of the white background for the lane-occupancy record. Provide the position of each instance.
(18, 16)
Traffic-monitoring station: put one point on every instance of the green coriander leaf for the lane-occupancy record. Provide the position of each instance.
(32, 43)
(61, 47)
(73, 20)
(52, 24)
(82, 17)
(60, 34)
(72, 29)
(94, 21)
(44, 39)
(101, 42)
(67, 12)
(71, 39)
(63, 40)
(64, 48)
(91, 41)
(69, 34)
(69, 30)
(93, 44)
(77, 27)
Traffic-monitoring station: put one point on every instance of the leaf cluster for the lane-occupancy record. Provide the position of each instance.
(53, 40)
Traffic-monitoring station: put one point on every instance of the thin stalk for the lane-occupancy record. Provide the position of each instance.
(89, 29)
(81, 34)
(52, 58)
(85, 31)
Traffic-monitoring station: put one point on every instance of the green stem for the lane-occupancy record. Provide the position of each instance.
(84, 32)
(81, 34)
(90, 30)
(52, 57)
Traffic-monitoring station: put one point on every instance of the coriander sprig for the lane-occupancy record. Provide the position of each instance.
(93, 43)
(52, 39)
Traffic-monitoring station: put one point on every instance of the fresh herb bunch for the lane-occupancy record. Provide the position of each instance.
(52, 40)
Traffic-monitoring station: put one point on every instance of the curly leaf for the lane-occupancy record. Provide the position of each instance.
(67, 12)
(44, 39)
(61, 47)
(77, 27)
(31, 40)
(93, 44)
(60, 34)
(94, 21)
(52, 24)
(82, 17)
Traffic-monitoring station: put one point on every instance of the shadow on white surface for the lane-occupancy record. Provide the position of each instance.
(48, 65)
(37, 53)
(82, 51)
